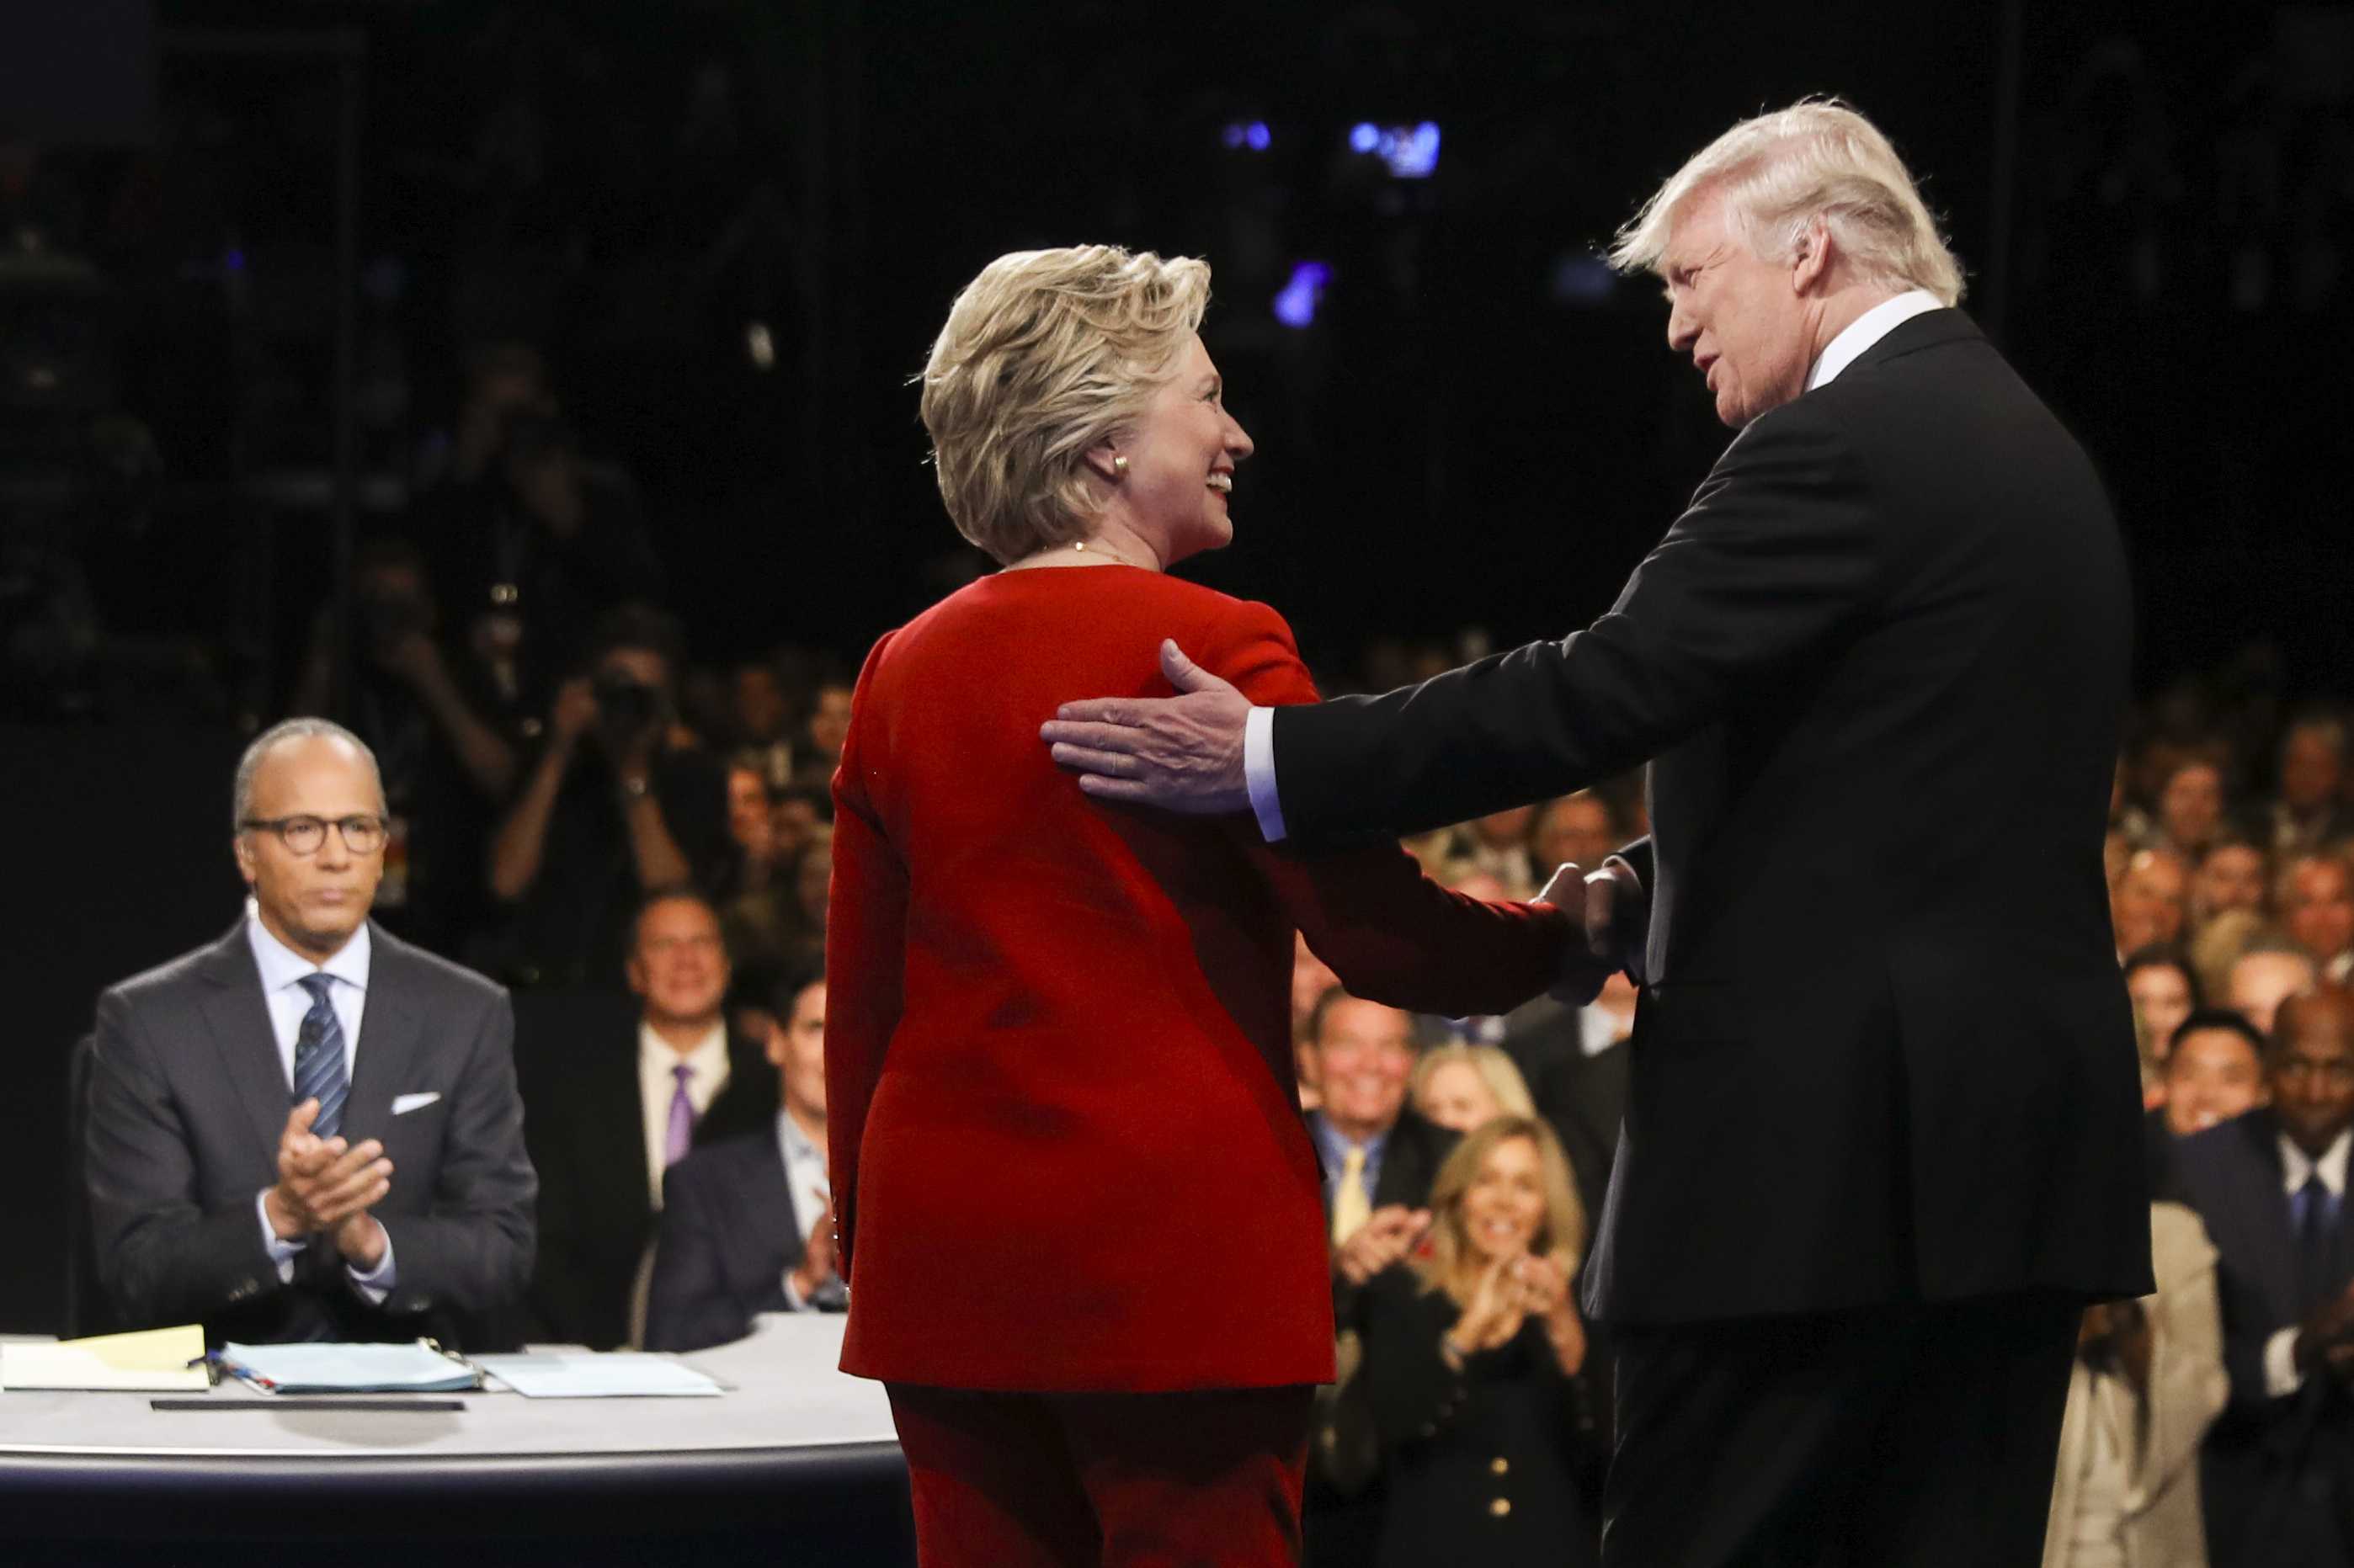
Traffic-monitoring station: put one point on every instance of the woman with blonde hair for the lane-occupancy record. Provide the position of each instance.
(1461, 1086)
(1059, 1072)
(1474, 1353)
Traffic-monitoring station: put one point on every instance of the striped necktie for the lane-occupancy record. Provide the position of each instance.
(319, 1058)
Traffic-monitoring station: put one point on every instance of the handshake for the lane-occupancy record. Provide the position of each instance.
(1611, 905)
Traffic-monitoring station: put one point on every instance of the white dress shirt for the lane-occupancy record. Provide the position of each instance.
(2281, 1374)
(1258, 729)
(813, 1190)
(282, 973)
(656, 1057)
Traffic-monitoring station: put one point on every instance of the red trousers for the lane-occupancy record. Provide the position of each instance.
(1104, 1480)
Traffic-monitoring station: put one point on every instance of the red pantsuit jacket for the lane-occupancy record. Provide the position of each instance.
(1067, 1148)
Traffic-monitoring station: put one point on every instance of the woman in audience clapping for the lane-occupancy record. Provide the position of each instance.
(1474, 1352)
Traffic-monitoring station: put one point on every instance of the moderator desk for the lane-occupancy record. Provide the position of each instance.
(795, 1464)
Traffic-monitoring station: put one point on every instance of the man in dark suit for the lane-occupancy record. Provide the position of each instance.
(1896, 603)
(612, 1112)
(308, 1129)
(2271, 1186)
(747, 1221)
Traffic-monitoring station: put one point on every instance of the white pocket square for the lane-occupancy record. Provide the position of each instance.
(403, 1104)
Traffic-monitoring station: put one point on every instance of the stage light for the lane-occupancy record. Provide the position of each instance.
(1412, 153)
(1251, 134)
(1364, 137)
(1296, 305)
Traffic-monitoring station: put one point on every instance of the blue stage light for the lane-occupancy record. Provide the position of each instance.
(1258, 135)
(1364, 137)
(1296, 306)
(1412, 153)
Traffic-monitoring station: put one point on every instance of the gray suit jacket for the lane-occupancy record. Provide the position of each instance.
(187, 1099)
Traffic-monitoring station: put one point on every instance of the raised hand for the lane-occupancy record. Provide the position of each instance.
(1388, 1235)
(1183, 753)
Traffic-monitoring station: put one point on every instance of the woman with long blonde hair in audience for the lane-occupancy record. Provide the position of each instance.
(1461, 1086)
(1474, 1352)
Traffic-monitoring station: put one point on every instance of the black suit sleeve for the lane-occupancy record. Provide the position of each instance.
(472, 1252)
(1777, 553)
(161, 1258)
(690, 1307)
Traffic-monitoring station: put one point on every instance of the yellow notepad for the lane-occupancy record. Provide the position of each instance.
(154, 1359)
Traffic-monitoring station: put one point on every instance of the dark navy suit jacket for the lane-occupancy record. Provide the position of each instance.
(728, 1233)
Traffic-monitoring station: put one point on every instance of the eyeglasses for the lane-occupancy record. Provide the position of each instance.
(304, 835)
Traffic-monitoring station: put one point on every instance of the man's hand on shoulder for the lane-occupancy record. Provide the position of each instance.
(1183, 753)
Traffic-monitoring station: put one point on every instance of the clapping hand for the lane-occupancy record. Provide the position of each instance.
(1499, 1305)
(1385, 1237)
(324, 1184)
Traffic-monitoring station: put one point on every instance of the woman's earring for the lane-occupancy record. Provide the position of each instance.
(1119, 466)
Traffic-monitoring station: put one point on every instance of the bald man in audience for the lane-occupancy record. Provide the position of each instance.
(2317, 910)
(2264, 976)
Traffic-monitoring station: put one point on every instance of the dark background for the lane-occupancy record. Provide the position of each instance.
(1475, 440)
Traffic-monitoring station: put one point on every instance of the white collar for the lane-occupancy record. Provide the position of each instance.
(282, 965)
(1867, 329)
(794, 1141)
(709, 1057)
(2296, 1165)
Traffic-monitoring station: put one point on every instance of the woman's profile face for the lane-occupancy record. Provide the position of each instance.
(1181, 456)
(1457, 1097)
(1504, 1207)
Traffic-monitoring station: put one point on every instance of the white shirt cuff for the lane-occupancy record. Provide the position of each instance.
(281, 1251)
(2281, 1376)
(376, 1283)
(793, 1302)
(1259, 772)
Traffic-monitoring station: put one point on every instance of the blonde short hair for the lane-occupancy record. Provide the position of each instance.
(1450, 1264)
(1510, 1090)
(1780, 172)
(1047, 355)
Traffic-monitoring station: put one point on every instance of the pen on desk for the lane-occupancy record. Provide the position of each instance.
(306, 1401)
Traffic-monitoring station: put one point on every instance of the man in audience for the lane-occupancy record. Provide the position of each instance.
(747, 1221)
(2234, 873)
(2268, 974)
(2317, 910)
(760, 714)
(620, 802)
(2148, 907)
(2271, 1186)
(1311, 976)
(610, 1120)
(827, 727)
(2190, 808)
(2215, 1071)
(2309, 814)
(308, 1129)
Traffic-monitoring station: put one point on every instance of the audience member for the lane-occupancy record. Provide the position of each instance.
(2214, 1072)
(1311, 976)
(747, 1221)
(619, 802)
(2310, 812)
(1578, 830)
(2317, 910)
(760, 713)
(1461, 1086)
(1473, 1353)
(2268, 974)
(2147, 1383)
(1576, 1063)
(2149, 904)
(2271, 1187)
(610, 1120)
(439, 734)
(2190, 808)
(529, 532)
(2234, 873)
(824, 732)
(2164, 992)
(401, 1209)
(1497, 845)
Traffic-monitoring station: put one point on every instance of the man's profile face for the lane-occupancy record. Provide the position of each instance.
(2312, 1073)
(797, 1050)
(312, 903)
(678, 965)
(1740, 317)
(1364, 1057)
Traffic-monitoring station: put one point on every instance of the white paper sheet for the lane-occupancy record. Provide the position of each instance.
(619, 1374)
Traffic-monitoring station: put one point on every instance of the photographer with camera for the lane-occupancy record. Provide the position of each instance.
(534, 539)
(439, 741)
(621, 799)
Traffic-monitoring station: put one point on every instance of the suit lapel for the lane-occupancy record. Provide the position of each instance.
(384, 1060)
(239, 1020)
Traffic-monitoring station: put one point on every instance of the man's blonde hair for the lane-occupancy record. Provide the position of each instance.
(1047, 355)
(1780, 172)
